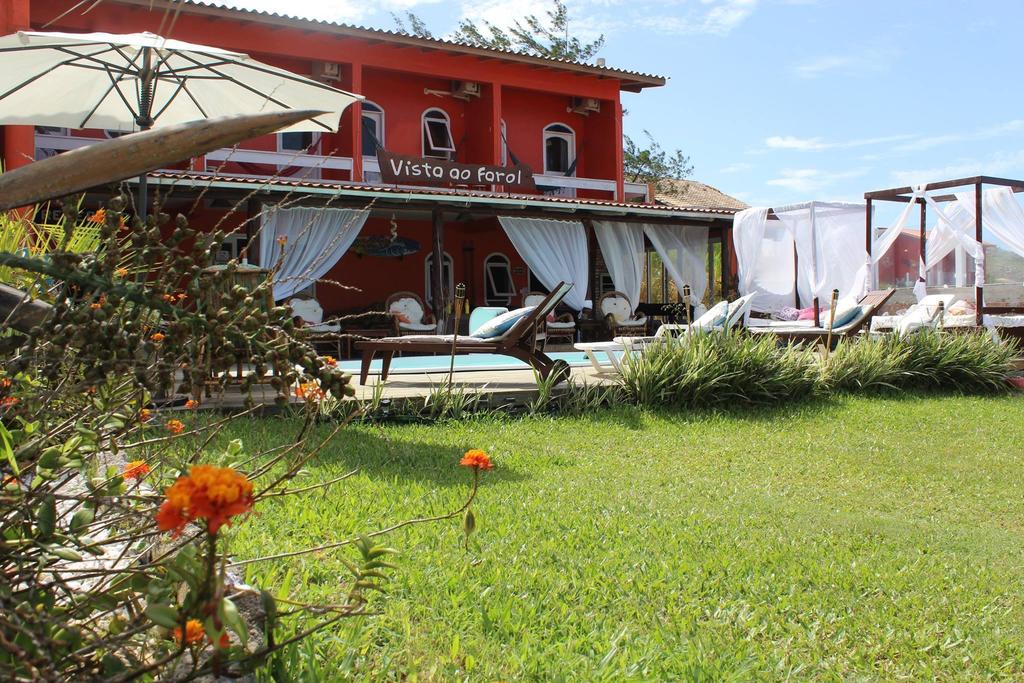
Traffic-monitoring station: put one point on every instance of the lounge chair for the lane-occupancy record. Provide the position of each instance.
(410, 314)
(312, 314)
(859, 316)
(562, 327)
(723, 316)
(518, 341)
(925, 314)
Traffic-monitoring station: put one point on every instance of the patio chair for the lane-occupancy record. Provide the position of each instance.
(518, 340)
(848, 323)
(723, 316)
(562, 327)
(312, 314)
(410, 314)
(925, 314)
(619, 316)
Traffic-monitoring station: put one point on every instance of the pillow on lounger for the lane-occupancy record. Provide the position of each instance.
(501, 324)
(714, 317)
(843, 317)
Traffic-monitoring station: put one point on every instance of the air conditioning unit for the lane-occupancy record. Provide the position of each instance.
(327, 71)
(585, 105)
(465, 89)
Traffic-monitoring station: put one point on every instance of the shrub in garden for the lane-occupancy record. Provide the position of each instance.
(114, 515)
(865, 365)
(709, 370)
(969, 362)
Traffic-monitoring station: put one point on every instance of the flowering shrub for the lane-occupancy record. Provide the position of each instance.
(114, 516)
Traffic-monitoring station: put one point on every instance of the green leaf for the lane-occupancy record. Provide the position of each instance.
(66, 554)
(233, 620)
(8, 446)
(469, 522)
(234, 447)
(80, 520)
(46, 519)
(50, 458)
(163, 615)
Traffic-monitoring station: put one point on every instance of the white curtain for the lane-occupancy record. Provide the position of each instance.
(314, 240)
(622, 246)
(684, 251)
(764, 254)
(1003, 217)
(556, 251)
(831, 253)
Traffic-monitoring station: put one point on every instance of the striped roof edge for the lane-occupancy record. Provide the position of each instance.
(255, 184)
(630, 80)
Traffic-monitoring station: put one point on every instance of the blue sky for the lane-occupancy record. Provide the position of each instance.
(784, 100)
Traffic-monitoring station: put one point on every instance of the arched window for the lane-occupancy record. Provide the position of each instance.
(437, 135)
(498, 286)
(373, 128)
(447, 276)
(559, 150)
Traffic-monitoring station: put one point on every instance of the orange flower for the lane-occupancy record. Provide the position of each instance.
(478, 459)
(12, 481)
(225, 641)
(309, 391)
(194, 632)
(191, 404)
(145, 415)
(282, 240)
(175, 426)
(121, 272)
(329, 361)
(169, 298)
(213, 494)
(5, 383)
(99, 216)
(136, 469)
(158, 337)
(182, 296)
(9, 401)
(90, 390)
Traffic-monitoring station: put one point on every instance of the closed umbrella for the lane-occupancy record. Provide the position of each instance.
(139, 81)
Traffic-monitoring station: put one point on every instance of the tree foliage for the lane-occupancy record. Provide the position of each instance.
(653, 164)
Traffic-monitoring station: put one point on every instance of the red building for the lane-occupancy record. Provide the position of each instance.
(425, 98)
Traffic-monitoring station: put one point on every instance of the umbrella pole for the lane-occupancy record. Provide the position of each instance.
(145, 121)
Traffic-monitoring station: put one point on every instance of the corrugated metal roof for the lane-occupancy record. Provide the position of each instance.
(438, 194)
(644, 79)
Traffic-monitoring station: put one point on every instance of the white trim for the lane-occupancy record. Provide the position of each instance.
(255, 156)
(570, 139)
(504, 143)
(447, 260)
(501, 298)
(425, 135)
(378, 116)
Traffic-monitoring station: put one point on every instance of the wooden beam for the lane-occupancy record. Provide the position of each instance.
(979, 293)
(437, 269)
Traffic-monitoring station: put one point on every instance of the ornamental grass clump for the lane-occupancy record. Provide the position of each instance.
(864, 366)
(715, 370)
(968, 362)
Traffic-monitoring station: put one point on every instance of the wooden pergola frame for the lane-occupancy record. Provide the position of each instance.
(904, 195)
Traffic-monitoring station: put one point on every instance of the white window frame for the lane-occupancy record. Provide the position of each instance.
(427, 138)
(500, 298)
(313, 148)
(570, 139)
(504, 143)
(449, 285)
(378, 117)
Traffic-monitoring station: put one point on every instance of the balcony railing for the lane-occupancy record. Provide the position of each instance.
(302, 165)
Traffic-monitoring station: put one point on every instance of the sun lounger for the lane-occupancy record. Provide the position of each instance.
(519, 341)
(925, 314)
(790, 332)
(722, 316)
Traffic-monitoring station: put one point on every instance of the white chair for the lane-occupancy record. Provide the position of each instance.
(618, 314)
(564, 326)
(925, 314)
(312, 314)
(410, 314)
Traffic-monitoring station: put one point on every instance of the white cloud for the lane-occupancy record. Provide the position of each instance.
(1001, 163)
(792, 142)
(714, 17)
(986, 133)
(738, 167)
(807, 180)
(856, 63)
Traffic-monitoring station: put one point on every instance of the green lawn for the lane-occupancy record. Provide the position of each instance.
(860, 539)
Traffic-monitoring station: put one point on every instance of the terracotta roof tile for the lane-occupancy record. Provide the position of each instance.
(697, 195)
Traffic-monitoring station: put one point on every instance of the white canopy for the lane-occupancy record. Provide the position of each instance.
(827, 239)
(556, 251)
(95, 80)
(313, 238)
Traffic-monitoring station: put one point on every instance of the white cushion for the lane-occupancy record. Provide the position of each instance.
(324, 327)
(714, 317)
(618, 308)
(561, 325)
(417, 327)
(533, 299)
(632, 323)
(308, 309)
(501, 324)
(408, 307)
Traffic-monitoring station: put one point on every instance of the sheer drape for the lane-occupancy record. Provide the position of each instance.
(622, 246)
(684, 251)
(555, 251)
(764, 254)
(315, 239)
(1003, 217)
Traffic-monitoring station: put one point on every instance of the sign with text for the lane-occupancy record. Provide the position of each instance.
(402, 170)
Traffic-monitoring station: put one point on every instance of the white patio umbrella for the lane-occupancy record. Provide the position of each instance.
(139, 81)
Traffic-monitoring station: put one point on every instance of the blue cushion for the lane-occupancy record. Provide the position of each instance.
(844, 317)
(502, 324)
